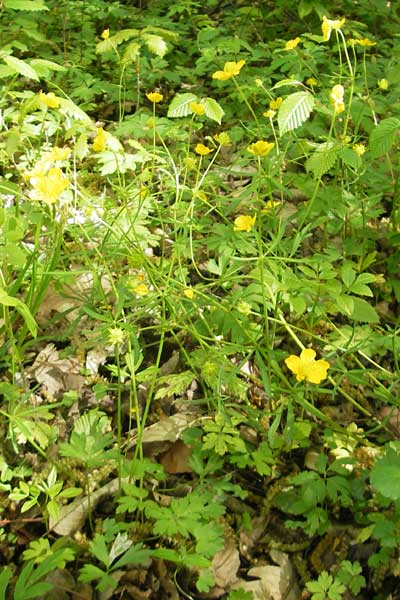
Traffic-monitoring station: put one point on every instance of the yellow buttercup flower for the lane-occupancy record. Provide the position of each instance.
(275, 104)
(269, 113)
(311, 81)
(305, 367)
(196, 108)
(99, 142)
(141, 289)
(105, 34)
(231, 69)
(270, 204)
(244, 223)
(189, 293)
(260, 148)
(291, 44)
(359, 149)
(336, 96)
(50, 186)
(202, 150)
(363, 42)
(49, 99)
(58, 154)
(154, 97)
(329, 25)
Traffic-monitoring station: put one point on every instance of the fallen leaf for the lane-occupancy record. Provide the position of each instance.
(176, 458)
(225, 565)
(57, 374)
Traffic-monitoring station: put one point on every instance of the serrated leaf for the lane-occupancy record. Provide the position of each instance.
(385, 475)
(44, 67)
(294, 111)
(323, 159)
(179, 106)
(213, 110)
(363, 311)
(383, 136)
(32, 5)
(131, 52)
(155, 44)
(21, 67)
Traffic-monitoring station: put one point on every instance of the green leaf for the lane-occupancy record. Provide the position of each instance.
(385, 475)
(21, 67)
(323, 159)
(32, 5)
(5, 576)
(383, 136)
(213, 110)
(363, 311)
(155, 44)
(179, 106)
(22, 308)
(294, 111)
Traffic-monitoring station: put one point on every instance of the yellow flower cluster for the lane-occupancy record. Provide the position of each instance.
(359, 149)
(231, 69)
(305, 367)
(337, 98)
(48, 186)
(196, 108)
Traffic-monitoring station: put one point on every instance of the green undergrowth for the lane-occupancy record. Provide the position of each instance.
(199, 292)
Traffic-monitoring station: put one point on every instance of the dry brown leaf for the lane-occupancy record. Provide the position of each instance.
(57, 374)
(176, 459)
(225, 565)
(274, 582)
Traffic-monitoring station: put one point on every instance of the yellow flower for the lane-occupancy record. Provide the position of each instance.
(202, 150)
(275, 104)
(189, 293)
(328, 25)
(383, 84)
(260, 148)
(361, 42)
(49, 99)
(258, 82)
(230, 70)
(223, 138)
(116, 335)
(270, 204)
(196, 108)
(49, 187)
(141, 289)
(58, 154)
(311, 81)
(336, 96)
(99, 142)
(359, 149)
(106, 34)
(306, 367)
(269, 113)
(154, 97)
(291, 44)
(244, 223)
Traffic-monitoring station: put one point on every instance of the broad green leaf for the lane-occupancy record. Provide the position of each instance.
(383, 136)
(179, 106)
(45, 67)
(294, 111)
(21, 67)
(32, 5)
(213, 110)
(155, 44)
(323, 159)
(363, 311)
(131, 53)
(5, 576)
(385, 475)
